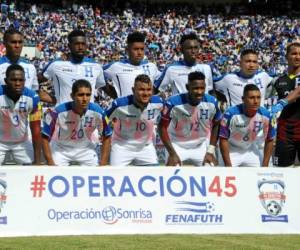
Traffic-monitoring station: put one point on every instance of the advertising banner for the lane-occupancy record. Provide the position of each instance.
(148, 200)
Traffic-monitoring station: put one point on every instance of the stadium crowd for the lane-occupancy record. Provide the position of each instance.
(222, 35)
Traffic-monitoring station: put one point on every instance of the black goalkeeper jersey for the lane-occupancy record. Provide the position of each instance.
(289, 120)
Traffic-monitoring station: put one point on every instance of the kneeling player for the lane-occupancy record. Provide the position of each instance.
(19, 103)
(242, 127)
(71, 126)
(189, 125)
(133, 118)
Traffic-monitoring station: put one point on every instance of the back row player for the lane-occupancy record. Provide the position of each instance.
(13, 41)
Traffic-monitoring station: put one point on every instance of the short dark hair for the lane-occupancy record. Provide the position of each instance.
(190, 36)
(250, 87)
(136, 37)
(81, 83)
(247, 51)
(9, 32)
(289, 47)
(13, 67)
(196, 75)
(75, 33)
(143, 78)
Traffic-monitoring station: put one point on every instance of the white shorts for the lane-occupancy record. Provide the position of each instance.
(64, 156)
(193, 156)
(241, 158)
(123, 156)
(22, 152)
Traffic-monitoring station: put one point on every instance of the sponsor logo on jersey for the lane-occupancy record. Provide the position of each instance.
(241, 125)
(282, 83)
(67, 70)
(238, 84)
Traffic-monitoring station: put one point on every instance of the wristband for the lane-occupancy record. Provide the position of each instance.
(283, 102)
(211, 149)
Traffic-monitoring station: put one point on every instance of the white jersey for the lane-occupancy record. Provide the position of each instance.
(133, 127)
(14, 116)
(64, 73)
(176, 76)
(30, 72)
(232, 86)
(68, 129)
(242, 131)
(190, 125)
(122, 75)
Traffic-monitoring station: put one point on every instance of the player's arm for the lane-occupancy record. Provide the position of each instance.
(291, 97)
(42, 78)
(49, 123)
(44, 95)
(47, 150)
(269, 142)
(268, 149)
(224, 135)
(105, 150)
(224, 147)
(106, 140)
(35, 127)
(210, 156)
(163, 125)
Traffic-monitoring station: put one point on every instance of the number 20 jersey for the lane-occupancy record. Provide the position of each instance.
(69, 129)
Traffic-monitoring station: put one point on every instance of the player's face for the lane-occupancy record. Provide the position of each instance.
(82, 98)
(14, 45)
(142, 92)
(249, 64)
(78, 46)
(251, 101)
(293, 57)
(136, 52)
(190, 50)
(16, 81)
(196, 90)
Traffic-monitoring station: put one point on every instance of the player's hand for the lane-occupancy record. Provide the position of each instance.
(210, 160)
(174, 160)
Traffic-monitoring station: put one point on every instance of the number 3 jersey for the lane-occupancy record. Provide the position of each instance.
(242, 131)
(14, 115)
(134, 127)
(190, 125)
(69, 129)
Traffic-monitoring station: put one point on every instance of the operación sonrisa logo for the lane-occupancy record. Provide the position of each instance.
(272, 197)
(112, 215)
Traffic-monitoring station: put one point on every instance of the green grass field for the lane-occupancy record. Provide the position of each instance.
(157, 242)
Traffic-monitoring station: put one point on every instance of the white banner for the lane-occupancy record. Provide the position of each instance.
(141, 200)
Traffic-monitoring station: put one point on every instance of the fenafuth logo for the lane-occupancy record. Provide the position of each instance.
(188, 213)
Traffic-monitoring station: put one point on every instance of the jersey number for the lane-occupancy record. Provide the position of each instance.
(77, 134)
